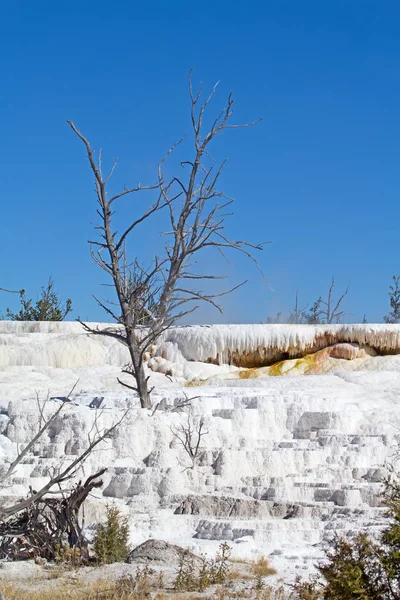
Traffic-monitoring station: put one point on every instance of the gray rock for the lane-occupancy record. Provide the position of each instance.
(158, 551)
(311, 422)
(222, 506)
(209, 530)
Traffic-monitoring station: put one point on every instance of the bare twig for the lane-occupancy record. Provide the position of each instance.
(33, 441)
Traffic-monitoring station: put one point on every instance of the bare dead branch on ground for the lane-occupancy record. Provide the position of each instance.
(37, 524)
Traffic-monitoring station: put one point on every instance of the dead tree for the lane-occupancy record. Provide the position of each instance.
(189, 436)
(328, 310)
(38, 524)
(168, 287)
(298, 314)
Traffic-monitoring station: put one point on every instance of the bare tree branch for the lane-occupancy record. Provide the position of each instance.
(154, 296)
(33, 441)
(39, 524)
(67, 473)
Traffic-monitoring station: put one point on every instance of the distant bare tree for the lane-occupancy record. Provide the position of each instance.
(197, 214)
(298, 315)
(321, 311)
(274, 319)
(189, 436)
(327, 310)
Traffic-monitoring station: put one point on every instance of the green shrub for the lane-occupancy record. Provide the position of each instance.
(394, 298)
(111, 540)
(362, 568)
(47, 308)
(307, 590)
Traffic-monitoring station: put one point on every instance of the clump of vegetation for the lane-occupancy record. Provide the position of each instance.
(47, 308)
(220, 566)
(111, 540)
(394, 298)
(191, 578)
(132, 588)
(261, 567)
(135, 587)
(268, 593)
(70, 557)
(307, 590)
(361, 568)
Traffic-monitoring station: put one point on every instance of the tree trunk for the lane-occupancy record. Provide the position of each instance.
(138, 370)
(141, 381)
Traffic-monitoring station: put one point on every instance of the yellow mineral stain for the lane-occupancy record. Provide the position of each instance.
(306, 364)
(249, 373)
(276, 369)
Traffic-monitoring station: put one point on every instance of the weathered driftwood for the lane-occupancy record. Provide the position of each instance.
(47, 520)
(48, 525)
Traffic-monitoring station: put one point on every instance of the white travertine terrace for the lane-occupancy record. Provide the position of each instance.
(288, 461)
(66, 345)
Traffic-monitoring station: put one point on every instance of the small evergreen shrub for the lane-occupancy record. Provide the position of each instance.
(361, 568)
(110, 543)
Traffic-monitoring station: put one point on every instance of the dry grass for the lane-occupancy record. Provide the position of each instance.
(183, 596)
(234, 574)
(64, 591)
(245, 582)
(262, 568)
(268, 593)
(127, 588)
(106, 590)
(239, 561)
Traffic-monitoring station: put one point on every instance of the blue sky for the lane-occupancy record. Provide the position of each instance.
(319, 177)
